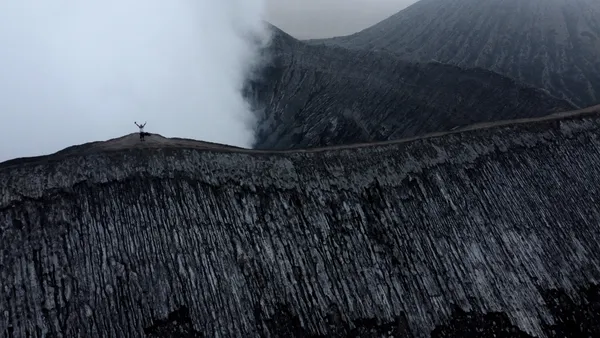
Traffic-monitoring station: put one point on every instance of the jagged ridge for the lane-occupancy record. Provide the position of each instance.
(355, 240)
(315, 96)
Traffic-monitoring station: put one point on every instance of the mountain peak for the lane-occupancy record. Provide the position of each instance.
(548, 44)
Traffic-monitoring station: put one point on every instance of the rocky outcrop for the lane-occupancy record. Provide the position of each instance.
(314, 96)
(551, 44)
(487, 231)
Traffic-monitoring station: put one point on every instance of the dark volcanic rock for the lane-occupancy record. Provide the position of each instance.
(551, 44)
(472, 325)
(489, 231)
(177, 325)
(319, 96)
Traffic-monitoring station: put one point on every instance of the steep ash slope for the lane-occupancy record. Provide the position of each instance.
(551, 44)
(397, 239)
(318, 96)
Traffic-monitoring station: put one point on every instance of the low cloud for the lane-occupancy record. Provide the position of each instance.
(76, 71)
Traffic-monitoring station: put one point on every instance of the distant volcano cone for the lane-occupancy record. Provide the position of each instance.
(552, 44)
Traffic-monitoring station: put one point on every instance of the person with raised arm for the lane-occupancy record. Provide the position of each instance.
(141, 130)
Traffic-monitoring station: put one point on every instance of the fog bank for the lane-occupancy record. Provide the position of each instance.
(73, 72)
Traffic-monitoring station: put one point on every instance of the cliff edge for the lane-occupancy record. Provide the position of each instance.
(488, 231)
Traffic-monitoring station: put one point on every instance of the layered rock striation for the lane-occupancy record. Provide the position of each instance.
(490, 230)
(550, 44)
(316, 96)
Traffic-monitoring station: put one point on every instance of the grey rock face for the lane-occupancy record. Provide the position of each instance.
(551, 44)
(487, 231)
(319, 96)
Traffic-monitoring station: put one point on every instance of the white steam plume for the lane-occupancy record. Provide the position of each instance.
(74, 71)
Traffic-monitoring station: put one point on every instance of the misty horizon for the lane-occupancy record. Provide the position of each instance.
(68, 77)
(316, 19)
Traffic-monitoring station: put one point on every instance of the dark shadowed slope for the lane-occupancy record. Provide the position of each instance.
(319, 96)
(551, 44)
(488, 232)
(129, 142)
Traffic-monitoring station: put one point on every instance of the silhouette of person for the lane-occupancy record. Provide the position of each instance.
(141, 130)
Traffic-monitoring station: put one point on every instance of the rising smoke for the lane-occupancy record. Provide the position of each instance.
(77, 71)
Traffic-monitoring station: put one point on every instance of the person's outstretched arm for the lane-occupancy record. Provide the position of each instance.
(136, 124)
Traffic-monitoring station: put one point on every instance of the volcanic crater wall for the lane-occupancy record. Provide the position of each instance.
(491, 230)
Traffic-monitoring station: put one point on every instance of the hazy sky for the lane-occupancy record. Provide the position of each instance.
(79, 71)
(326, 18)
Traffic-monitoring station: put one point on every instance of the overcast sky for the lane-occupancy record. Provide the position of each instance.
(326, 18)
(68, 78)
